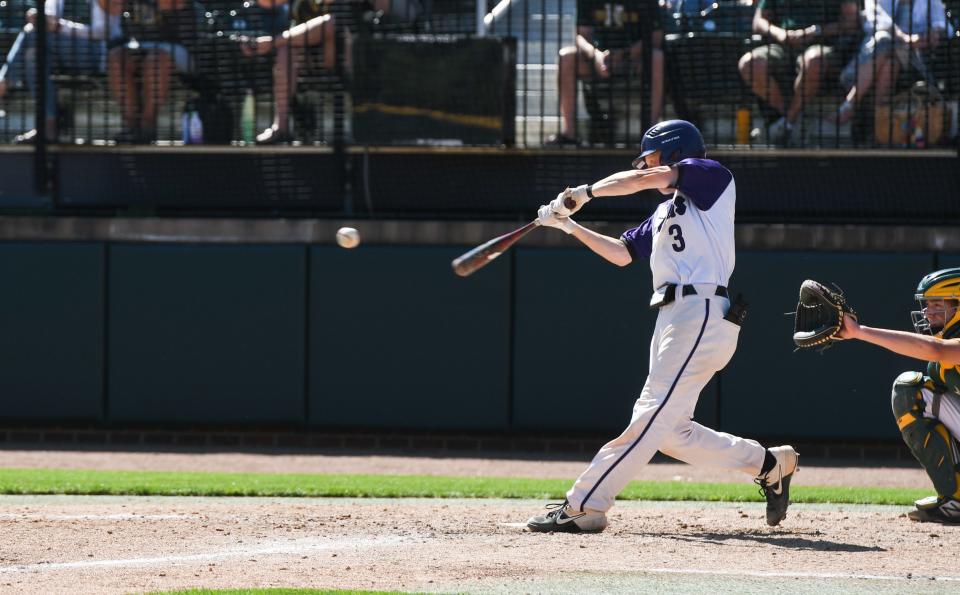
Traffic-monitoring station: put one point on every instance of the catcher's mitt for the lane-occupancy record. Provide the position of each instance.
(819, 316)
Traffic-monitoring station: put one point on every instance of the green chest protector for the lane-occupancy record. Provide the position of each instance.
(946, 375)
(929, 440)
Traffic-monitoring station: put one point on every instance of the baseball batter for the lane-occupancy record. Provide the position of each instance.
(927, 406)
(689, 242)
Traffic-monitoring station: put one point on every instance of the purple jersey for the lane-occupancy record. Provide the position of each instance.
(689, 238)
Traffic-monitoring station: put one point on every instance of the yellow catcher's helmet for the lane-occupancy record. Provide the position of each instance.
(940, 285)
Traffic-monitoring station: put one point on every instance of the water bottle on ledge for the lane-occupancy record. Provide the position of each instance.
(247, 118)
(185, 121)
(196, 128)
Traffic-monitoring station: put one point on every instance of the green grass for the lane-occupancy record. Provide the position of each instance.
(274, 592)
(160, 483)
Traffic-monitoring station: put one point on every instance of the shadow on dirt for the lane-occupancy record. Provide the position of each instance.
(791, 541)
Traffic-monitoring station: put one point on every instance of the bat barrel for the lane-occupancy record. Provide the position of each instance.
(462, 266)
(478, 257)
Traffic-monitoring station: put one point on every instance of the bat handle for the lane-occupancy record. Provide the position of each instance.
(570, 203)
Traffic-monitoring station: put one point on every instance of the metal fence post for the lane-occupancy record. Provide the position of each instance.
(481, 12)
(646, 84)
(40, 105)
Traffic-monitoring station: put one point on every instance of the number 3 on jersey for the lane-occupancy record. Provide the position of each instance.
(679, 207)
(677, 234)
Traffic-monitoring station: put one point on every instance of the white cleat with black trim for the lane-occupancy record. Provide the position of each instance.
(563, 519)
(936, 510)
(775, 484)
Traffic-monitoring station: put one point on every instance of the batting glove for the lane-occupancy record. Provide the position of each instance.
(578, 195)
(549, 218)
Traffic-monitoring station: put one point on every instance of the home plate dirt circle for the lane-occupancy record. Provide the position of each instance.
(136, 544)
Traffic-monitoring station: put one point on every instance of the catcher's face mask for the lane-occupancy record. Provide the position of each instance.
(935, 314)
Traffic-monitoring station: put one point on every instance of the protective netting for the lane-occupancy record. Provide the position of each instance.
(530, 73)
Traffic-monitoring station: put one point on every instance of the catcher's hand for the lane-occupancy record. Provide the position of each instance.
(819, 316)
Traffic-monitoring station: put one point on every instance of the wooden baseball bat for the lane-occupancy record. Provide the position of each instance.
(476, 258)
(468, 262)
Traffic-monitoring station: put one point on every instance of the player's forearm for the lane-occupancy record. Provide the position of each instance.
(630, 182)
(924, 347)
(611, 249)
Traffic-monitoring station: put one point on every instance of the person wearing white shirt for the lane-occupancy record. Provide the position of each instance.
(688, 243)
(72, 47)
(898, 34)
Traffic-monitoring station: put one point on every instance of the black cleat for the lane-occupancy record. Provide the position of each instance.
(775, 485)
(945, 511)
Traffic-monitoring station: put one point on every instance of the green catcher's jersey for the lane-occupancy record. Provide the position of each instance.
(946, 374)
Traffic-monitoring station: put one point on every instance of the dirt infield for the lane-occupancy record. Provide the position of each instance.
(57, 544)
(124, 544)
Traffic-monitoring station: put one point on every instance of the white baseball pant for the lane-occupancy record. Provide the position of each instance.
(691, 341)
(949, 410)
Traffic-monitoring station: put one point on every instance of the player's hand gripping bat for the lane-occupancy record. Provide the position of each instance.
(468, 262)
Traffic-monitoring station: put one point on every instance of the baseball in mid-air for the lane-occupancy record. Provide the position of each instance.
(348, 237)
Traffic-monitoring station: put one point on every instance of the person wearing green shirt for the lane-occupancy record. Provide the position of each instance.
(806, 41)
(926, 405)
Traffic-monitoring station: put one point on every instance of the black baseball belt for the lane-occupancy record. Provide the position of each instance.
(667, 293)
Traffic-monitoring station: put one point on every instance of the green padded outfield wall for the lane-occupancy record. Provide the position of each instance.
(946, 260)
(398, 341)
(551, 340)
(52, 320)
(207, 334)
(582, 341)
(770, 390)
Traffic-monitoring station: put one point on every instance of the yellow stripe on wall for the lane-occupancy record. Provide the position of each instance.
(491, 122)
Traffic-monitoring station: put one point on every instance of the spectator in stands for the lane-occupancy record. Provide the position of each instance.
(139, 69)
(72, 48)
(608, 42)
(899, 34)
(808, 39)
(315, 23)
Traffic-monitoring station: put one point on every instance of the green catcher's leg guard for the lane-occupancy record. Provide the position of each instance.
(928, 439)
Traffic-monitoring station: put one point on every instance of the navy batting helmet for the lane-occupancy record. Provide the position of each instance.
(675, 139)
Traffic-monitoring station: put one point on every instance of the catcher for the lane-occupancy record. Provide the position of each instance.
(926, 406)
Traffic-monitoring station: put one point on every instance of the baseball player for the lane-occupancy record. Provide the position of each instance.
(927, 406)
(689, 242)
